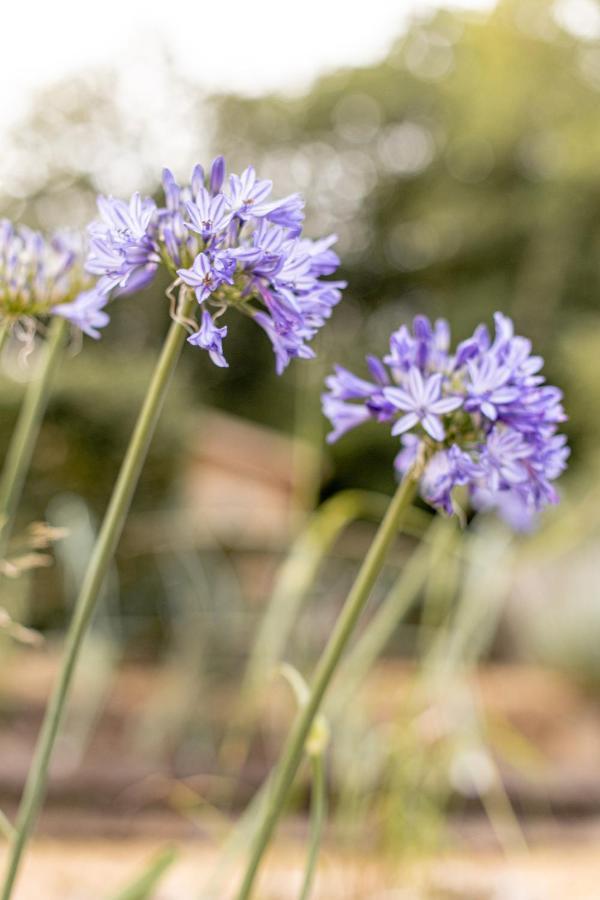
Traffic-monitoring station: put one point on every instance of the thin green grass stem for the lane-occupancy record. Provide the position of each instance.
(25, 435)
(318, 812)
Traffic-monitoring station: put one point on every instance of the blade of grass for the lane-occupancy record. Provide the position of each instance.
(292, 584)
(24, 438)
(318, 812)
(143, 886)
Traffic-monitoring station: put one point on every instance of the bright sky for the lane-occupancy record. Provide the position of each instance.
(244, 45)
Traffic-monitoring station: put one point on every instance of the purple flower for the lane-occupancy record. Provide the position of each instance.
(171, 190)
(488, 386)
(43, 276)
(344, 416)
(122, 249)
(247, 194)
(445, 471)
(232, 244)
(217, 174)
(482, 417)
(287, 343)
(207, 215)
(343, 385)
(504, 458)
(514, 509)
(131, 220)
(289, 213)
(210, 338)
(86, 312)
(203, 277)
(422, 402)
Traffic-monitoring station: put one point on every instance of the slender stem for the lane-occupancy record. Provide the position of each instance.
(145, 884)
(5, 327)
(6, 829)
(318, 804)
(353, 607)
(98, 565)
(24, 438)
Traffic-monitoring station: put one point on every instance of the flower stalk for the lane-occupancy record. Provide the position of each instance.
(24, 438)
(4, 332)
(318, 810)
(101, 558)
(355, 603)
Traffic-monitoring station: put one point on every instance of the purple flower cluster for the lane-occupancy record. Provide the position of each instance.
(43, 276)
(481, 416)
(233, 246)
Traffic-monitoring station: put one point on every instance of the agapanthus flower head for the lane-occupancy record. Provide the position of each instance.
(230, 243)
(44, 276)
(481, 417)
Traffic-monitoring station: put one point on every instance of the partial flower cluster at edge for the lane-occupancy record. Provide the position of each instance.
(481, 417)
(45, 276)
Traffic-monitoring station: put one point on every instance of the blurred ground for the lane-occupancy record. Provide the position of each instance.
(104, 821)
(93, 870)
(555, 722)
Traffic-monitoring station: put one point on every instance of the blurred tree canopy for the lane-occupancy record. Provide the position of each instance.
(462, 176)
(460, 173)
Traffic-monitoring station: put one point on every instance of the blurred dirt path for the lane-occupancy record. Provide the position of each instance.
(95, 870)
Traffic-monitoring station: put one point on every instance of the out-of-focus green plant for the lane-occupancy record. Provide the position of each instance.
(403, 775)
(316, 747)
(25, 434)
(78, 450)
(104, 642)
(293, 582)
(144, 885)
(20, 555)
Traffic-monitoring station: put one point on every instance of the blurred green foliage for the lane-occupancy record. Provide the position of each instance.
(461, 174)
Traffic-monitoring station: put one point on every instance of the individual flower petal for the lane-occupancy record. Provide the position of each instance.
(446, 405)
(405, 423)
(433, 426)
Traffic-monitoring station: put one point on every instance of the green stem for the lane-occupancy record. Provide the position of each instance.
(98, 565)
(144, 886)
(353, 607)
(5, 327)
(318, 804)
(24, 438)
